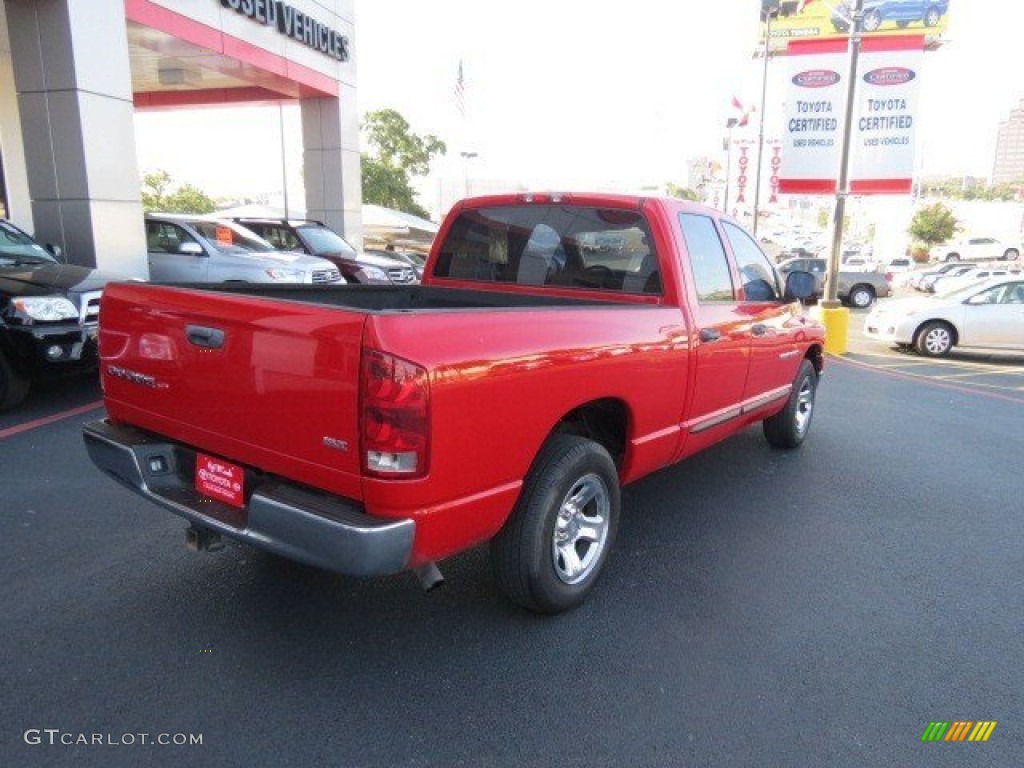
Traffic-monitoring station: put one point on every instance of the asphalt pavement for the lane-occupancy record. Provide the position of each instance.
(813, 608)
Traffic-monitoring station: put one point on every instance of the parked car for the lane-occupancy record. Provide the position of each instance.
(415, 260)
(506, 399)
(317, 239)
(902, 12)
(920, 277)
(48, 313)
(928, 283)
(987, 315)
(978, 249)
(196, 249)
(858, 289)
(947, 283)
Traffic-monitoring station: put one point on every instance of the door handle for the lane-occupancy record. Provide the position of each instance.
(207, 338)
(708, 335)
(759, 329)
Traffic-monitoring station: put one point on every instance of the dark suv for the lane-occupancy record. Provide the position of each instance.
(317, 239)
(49, 313)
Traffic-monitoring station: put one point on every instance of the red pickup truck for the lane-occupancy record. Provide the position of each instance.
(558, 347)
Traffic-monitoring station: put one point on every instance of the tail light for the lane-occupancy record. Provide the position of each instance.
(395, 397)
(888, 277)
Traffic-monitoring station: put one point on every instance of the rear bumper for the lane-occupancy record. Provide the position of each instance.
(289, 520)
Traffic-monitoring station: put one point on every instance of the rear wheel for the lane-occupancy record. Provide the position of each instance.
(550, 552)
(862, 296)
(1011, 254)
(789, 427)
(872, 21)
(953, 256)
(931, 17)
(935, 339)
(13, 386)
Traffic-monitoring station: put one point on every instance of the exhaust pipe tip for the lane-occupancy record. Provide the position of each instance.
(429, 576)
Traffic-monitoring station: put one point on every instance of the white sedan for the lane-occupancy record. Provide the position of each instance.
(988, 315)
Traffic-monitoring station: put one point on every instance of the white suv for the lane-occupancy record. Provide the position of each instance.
(979, 249)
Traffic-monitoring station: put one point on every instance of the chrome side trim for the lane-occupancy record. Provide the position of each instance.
(735, 411)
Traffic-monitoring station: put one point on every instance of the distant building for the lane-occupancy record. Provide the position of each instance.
(1009, 163)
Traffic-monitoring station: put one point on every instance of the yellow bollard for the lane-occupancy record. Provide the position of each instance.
(837, 327)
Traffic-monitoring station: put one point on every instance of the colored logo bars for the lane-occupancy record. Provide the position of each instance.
(959, 730)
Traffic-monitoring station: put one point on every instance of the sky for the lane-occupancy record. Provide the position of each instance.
(577, 93)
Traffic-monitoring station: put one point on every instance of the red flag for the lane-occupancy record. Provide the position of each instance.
(743, 116)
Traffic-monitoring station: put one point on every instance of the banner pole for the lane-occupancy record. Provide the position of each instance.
(839, 212)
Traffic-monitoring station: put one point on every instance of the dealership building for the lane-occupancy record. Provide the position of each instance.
(73, 73)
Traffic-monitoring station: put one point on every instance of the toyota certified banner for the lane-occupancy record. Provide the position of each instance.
(812, 134)
(885, 115)
(884, 124)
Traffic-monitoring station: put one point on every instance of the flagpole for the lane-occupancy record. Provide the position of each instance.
(760, 130)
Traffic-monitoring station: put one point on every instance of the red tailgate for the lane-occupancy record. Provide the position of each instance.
(267, 383)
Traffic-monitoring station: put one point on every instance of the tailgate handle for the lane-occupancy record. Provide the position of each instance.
(207, 338)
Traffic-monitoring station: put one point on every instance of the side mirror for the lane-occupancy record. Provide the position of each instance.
(55, 251)
(191, 249)
(799, 285)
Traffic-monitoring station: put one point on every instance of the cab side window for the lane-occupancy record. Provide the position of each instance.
(760, 280)
(710, 265)
(279, 237)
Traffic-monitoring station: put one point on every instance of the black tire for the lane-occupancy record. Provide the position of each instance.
(861, 296)
(1011, 254)
(931, 17)
(527, 553)
(789, 427)
(954, 256)
(935, 339)
(13, 386)
(872, 21)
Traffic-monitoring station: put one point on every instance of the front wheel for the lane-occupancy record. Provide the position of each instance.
(1011, 254)
(931, 17)
(789, 427)
(550, 552)
(872, 21)
(953, 256)
(935, 339)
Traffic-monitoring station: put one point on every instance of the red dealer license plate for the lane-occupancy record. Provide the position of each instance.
(220, 480)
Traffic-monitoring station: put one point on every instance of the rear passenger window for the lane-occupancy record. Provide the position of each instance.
(760, 281)
(708, 261)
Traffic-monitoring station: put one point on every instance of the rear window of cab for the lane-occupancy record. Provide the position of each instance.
(565, 246)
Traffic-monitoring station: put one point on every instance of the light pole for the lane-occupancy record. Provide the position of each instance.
(466, 157)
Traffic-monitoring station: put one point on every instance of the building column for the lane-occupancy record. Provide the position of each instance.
(330, 140)
(72, 74)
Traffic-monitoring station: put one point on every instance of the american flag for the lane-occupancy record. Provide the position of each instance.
(460, 92)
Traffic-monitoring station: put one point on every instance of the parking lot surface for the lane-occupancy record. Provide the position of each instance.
(819, 607)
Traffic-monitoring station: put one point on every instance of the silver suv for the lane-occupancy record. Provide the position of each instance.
(197, 249)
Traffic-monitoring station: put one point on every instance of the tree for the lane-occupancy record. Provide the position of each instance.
(187, 198)
(933, 224)
(396, 155)
(683, 193)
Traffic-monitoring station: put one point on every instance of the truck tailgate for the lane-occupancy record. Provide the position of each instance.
(270, 384)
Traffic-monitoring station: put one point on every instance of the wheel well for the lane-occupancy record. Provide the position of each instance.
(952, 329)
(603, 421)
(816, 354)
